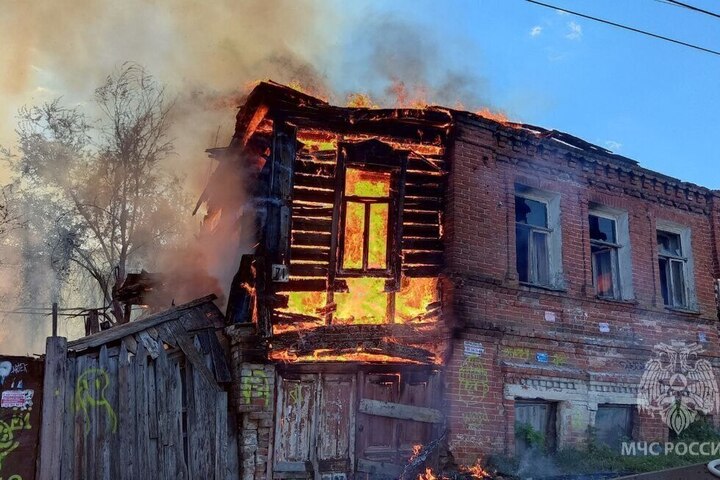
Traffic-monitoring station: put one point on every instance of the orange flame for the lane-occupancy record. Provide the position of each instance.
(360, 100)
(475, 471)
(490, 115)
(428, 475)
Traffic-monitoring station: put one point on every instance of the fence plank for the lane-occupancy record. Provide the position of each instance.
(51, 429)
(68, 450)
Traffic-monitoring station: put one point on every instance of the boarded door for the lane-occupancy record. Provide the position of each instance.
(315, 427)
(534, 425)
(355, 425)
(396, 413)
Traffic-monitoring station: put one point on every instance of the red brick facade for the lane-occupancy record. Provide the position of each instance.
(550, 344)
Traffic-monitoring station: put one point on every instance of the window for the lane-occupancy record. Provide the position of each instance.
(604, 248)
(535, 426)
(366, 204)
(611, 258)
(673, 266)
(614, 424)
(537, 237)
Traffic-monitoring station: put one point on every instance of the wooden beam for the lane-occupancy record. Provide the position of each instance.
(191, 353)
(120, 331)
(400, 411)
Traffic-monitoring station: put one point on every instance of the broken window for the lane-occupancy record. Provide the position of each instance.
(366, 233)
(614, 424)
(604, 248)
(531, 236)
(535, 426)
(672, 263)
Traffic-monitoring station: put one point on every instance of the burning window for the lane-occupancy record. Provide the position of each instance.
(366, 207)
(604, 247)
(673, 266)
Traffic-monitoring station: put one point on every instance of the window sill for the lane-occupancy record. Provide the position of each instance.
(621, 301)
(687, 311)
(548, 288)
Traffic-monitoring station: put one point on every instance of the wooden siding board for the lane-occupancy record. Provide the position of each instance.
(400, 411)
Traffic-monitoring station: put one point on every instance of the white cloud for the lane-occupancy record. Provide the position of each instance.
(561, 12)
(575, 32)
(535, 31)
(612, 145)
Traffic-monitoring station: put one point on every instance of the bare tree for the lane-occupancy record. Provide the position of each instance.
(100, 186)
(9, 216)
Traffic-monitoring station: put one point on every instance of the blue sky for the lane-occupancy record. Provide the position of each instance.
(647, 99)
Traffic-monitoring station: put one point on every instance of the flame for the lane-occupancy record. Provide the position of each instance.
(413, 97)
(360, 100)
(428, 475)
(490, 115)
(327, 355)
(367, 214)
(365, 302)
(416, 449)
(475, 471)
(414, 296)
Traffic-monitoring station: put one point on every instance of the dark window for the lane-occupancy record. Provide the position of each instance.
(604, 250)
(614, 424)
(366, 207)
(535, 426)
(672, 263)
(531, 241)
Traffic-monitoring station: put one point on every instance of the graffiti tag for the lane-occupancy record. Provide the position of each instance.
(90, 394)
(473, 377)
(255, 385)
(7, 434)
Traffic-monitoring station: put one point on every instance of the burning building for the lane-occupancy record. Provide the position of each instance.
(436, 277)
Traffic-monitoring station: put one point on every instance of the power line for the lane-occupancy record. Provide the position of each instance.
(692, 7)
(625, 27)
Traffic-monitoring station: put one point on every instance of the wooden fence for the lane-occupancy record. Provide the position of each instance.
(141, 400)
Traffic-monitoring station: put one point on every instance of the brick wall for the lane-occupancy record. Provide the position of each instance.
(253, 400)
(591, 351)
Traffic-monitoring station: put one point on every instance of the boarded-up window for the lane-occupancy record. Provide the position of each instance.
(613, 424)
(535, 426)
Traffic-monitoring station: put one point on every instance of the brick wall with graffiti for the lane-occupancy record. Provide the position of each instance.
(21, 380)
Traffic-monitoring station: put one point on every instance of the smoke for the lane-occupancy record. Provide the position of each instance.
(210, 54)
(408, 65)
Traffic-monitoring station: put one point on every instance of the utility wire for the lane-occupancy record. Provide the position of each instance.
(692, 7)
(625, 27)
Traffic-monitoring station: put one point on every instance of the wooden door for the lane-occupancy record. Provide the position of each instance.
(397, 411)
(295, 426)
(336, 426)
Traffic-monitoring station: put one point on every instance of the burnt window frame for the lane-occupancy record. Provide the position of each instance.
(370, 155)
(614, 249)
(683, 259)
(365, 270)
(553, 236)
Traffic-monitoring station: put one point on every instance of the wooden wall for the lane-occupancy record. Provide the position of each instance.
(146, 406)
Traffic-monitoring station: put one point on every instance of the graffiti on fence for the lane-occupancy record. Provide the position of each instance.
(90, 394)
